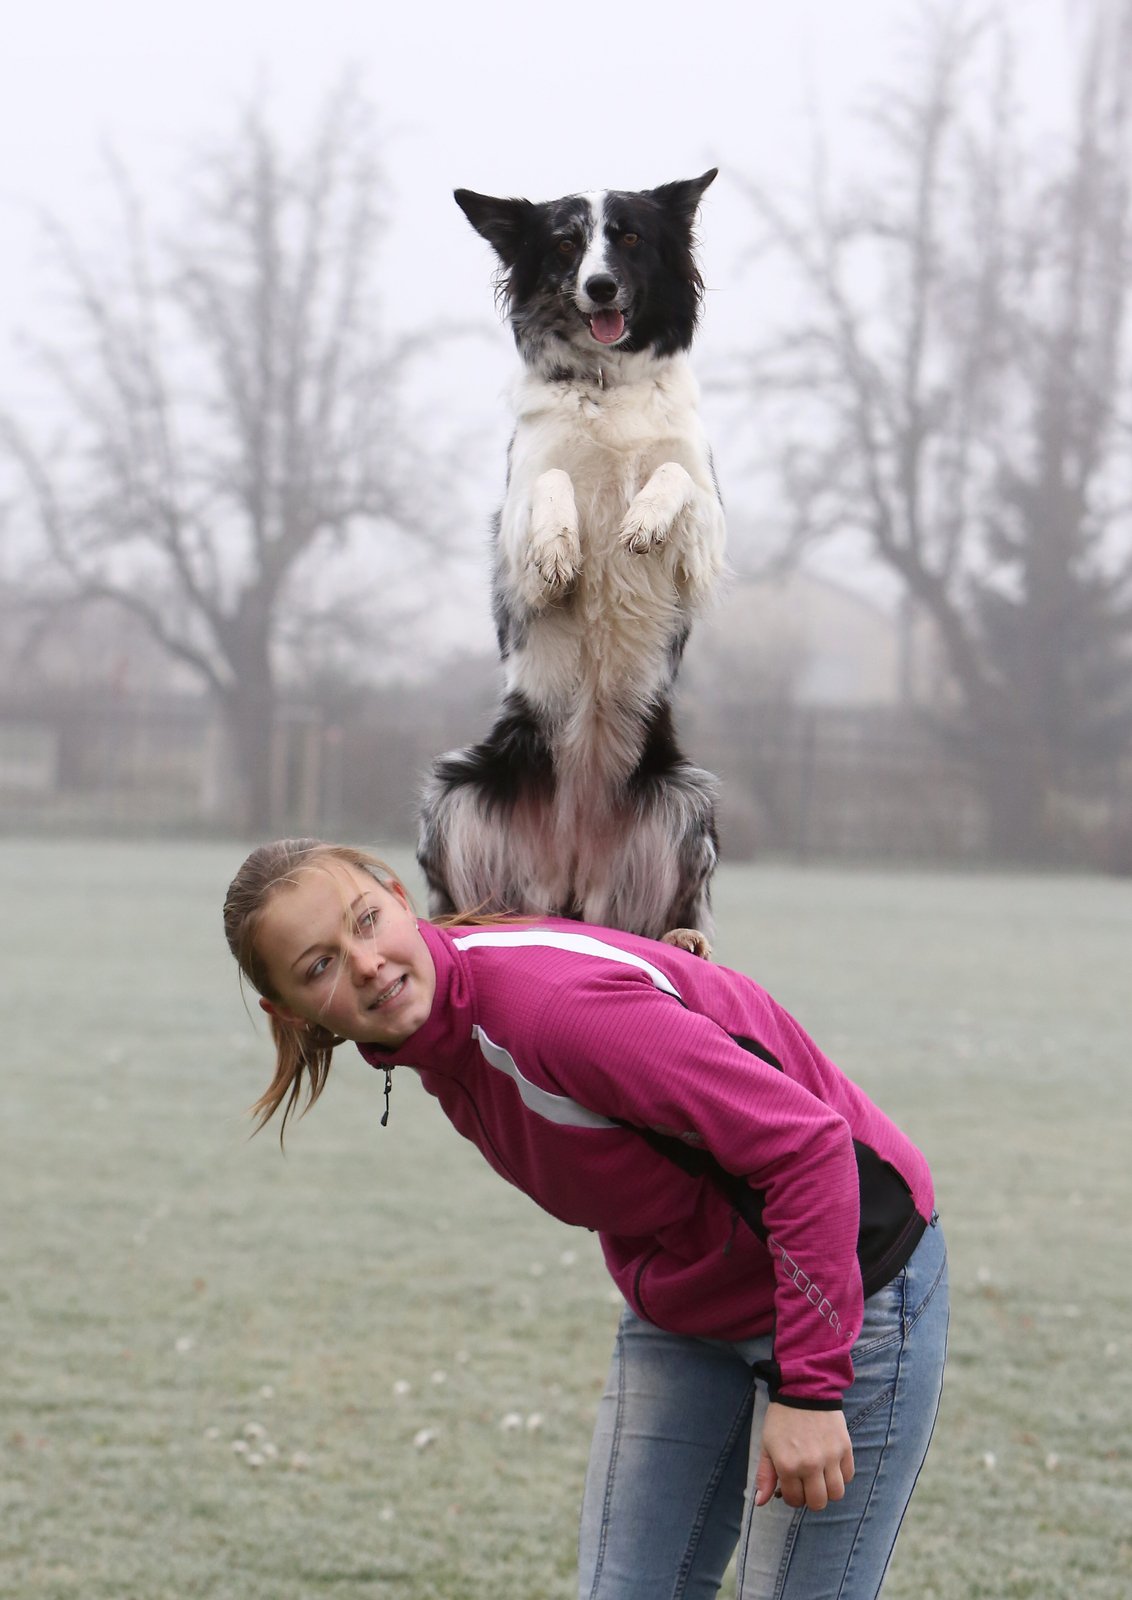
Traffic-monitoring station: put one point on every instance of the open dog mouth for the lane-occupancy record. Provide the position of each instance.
(607, 326)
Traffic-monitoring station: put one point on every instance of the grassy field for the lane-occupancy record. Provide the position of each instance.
(413, 1350)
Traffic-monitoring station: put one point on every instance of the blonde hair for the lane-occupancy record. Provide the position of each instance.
(301, 1051)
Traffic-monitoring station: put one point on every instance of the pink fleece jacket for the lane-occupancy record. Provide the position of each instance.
(546, 1039)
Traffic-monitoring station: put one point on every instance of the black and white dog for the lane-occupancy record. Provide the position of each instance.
(579, 802)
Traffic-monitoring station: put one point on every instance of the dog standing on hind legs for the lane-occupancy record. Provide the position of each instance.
(579, 802)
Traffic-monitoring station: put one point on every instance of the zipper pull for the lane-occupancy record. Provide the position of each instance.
(388, 1091)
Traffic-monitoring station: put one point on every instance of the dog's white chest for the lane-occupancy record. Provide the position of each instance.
(611, 534)
(590, 430)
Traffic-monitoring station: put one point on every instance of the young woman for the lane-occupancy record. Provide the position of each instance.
(779, 1361)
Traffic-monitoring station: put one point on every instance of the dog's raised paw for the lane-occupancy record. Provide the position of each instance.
(642, 530)
(556, 561)
(689, 939)
(555, 547)
(654, 510)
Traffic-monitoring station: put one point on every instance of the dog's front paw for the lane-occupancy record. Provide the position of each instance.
(555, 551)
(642, 529)
(689, 939)
(555, 561)
(654, 510)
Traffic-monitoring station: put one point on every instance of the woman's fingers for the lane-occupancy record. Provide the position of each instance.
(814, 1491)
(766, 1480)
(794, 1492)
(809, 1454)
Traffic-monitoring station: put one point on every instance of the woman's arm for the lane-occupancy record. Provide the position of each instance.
(623, 1048)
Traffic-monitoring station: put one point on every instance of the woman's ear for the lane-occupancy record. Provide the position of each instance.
(282, 1014)
(399, 892)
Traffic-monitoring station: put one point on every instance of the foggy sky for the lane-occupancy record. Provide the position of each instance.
(495, 97)
(500, 98)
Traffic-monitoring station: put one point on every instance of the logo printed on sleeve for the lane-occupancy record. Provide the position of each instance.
(806, 1285)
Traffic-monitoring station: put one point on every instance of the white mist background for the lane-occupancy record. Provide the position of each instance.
(505, 98)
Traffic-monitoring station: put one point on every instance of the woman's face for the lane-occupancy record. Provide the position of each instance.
(345, 953)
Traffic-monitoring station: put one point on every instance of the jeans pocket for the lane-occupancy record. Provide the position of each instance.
(883, 1319)
(923, 1295)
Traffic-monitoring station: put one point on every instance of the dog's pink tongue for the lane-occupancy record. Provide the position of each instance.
(607, 326)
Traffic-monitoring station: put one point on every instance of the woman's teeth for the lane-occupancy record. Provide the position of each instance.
(393, 989)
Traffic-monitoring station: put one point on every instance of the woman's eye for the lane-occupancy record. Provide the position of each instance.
(368, 918)
(317, 968)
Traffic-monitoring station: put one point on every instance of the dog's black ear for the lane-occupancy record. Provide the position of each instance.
(502, 222)
(684, 196)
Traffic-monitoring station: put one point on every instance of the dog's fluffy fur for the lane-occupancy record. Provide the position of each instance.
(579, 802)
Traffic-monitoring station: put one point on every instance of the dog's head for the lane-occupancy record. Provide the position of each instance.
(593, 272)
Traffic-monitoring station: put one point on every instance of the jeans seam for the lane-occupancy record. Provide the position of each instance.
(789, 1540)
(611, 1471)
(789, 1545)
(867, 1411)
(926, 1301)
(879, 1344)
(909, 1325)
(931, 1432)
(862, 1519)
(901, 1333)
(697, 1528)
(905, 1324)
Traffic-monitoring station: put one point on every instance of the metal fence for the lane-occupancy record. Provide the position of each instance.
(797, 782)
(842, 784)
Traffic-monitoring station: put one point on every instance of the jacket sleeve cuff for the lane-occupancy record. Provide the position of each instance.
(800, 1403)
(771, 1374)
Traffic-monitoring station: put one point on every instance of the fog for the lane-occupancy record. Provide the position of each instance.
(945, 624)
(499, 98)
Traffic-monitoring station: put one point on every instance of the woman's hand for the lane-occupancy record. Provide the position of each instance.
(807, 1454)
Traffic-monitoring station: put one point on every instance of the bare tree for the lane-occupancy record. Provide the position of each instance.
(952, 389)
(232, 409)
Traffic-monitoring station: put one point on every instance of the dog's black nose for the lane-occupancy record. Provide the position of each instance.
(601, 288)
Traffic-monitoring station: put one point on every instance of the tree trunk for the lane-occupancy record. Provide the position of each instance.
(1013, 779)
(249, 717)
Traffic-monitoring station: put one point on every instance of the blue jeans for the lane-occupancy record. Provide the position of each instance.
(670, 1487)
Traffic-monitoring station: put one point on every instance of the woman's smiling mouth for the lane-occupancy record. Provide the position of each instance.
(386, 995)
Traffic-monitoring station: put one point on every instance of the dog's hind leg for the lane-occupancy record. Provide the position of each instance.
(484, 819)
(464, 851)
(656, 879)
(689, 799)
(432, 853)
(660, 881)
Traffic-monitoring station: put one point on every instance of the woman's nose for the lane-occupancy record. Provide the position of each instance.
(364, 960)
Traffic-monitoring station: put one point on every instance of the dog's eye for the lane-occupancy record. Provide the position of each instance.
(630, 239)
(567, 247)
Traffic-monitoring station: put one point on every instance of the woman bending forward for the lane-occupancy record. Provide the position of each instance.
(779, 1360)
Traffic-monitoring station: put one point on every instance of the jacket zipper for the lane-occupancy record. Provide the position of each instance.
(488, 1140)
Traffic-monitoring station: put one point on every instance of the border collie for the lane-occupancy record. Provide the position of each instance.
(579, 802)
